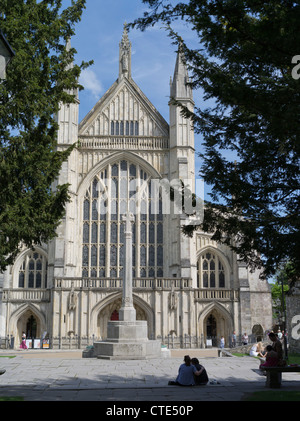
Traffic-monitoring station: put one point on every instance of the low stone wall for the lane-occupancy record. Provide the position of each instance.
(245, 349)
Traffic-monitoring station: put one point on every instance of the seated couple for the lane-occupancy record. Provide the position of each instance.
(274, 354)
(271, 358)
(190, 373)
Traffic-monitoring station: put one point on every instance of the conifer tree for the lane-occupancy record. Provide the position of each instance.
(246, 63)
(39, 78)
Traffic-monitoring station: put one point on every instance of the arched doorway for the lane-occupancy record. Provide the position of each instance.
(214, 322)
(211, 330)
(258, 333)
(114, 315)
(111, 313)
(31, 327)
(30, 324)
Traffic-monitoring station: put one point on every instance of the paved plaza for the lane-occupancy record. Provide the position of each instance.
(48, 375)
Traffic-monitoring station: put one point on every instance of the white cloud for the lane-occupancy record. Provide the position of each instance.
(88, 79)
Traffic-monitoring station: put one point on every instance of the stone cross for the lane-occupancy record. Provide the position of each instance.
(127, 311)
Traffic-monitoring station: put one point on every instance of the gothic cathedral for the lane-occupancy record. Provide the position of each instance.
(190, 290)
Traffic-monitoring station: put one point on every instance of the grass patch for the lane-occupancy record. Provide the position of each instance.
(11, 398)
(293, 358)
(7, 356)
(238, 354)
(274, 396)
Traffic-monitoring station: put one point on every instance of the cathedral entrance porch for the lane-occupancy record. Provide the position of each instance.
(215, 322)
(29, 324)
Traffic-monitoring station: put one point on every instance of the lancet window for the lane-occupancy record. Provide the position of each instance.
(33, 271)
(210, 271)
(124, 128)
(121, 186)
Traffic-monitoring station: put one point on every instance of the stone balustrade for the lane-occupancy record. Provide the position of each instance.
(123, 142)
(44, 295)
(115, 283)
(26, 294)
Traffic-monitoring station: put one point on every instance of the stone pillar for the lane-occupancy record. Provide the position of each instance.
(127, 312)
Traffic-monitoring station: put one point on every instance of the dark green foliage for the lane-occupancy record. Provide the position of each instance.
(39, 78)
(250, 151)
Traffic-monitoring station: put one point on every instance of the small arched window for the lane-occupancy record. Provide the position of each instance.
(33, 271)
(210, 271)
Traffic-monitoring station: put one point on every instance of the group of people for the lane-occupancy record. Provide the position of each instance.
(190, 373)
(273, 354)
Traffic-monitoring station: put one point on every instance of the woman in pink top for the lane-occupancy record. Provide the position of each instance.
(271, 358)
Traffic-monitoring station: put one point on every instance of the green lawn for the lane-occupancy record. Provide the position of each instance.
(292, 358)
(7, 356)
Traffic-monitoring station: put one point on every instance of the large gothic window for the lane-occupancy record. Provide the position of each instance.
(210, 271)
(120, 187)
(33, 271)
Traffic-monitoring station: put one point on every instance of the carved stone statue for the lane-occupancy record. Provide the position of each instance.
(72, 299)
(173, 299)
(125, 54)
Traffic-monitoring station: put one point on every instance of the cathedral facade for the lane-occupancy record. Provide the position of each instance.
(190, 290)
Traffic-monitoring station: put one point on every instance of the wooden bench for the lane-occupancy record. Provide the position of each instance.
(274, 375)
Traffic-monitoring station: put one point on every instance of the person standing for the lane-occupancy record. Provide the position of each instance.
(233, 340)
(23, 343)
(245, 339)
(222, 342)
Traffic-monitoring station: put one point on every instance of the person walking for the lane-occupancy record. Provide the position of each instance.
(23, 343)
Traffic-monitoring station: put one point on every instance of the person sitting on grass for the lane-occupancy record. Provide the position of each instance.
(256, 350)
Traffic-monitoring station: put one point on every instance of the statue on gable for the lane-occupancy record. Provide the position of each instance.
(125, 52)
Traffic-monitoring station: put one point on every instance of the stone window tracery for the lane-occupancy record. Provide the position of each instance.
(120, 185)
(210, 271)
(33, 271)
(124, 128)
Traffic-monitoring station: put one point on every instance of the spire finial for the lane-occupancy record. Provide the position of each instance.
(125, 55)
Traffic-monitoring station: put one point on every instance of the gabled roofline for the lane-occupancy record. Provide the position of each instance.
(7, 45)
(110, 92)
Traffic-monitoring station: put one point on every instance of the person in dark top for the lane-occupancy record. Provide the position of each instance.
(186, 374)
(277, 347)
(202, 378)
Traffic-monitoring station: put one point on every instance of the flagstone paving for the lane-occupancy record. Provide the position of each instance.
(50, 375)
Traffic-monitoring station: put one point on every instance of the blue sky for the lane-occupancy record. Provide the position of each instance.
(153, 55)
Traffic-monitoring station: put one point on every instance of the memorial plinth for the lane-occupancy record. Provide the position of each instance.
(127, 338)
